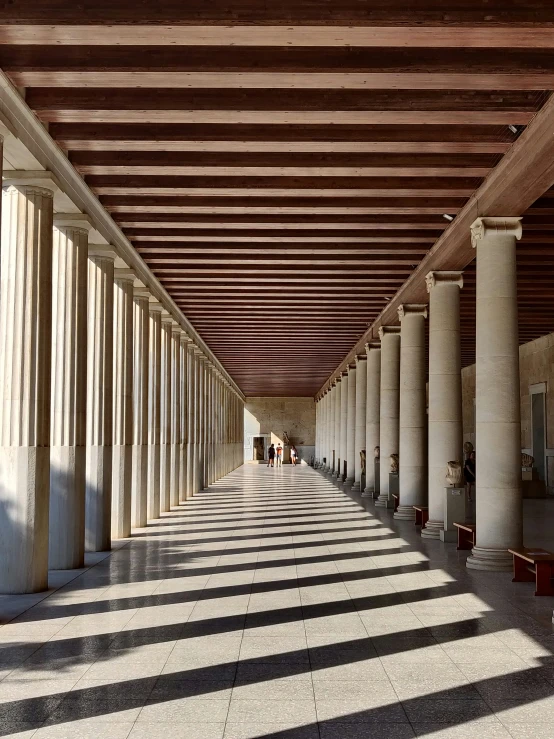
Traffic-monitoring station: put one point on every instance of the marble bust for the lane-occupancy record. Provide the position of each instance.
(454, 475)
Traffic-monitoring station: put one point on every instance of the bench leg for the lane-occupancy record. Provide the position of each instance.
(424, 517)
(521, 573)
(464, 541)
(543, 579)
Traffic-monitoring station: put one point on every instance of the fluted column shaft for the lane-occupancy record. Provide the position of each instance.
(351, 426)
(154, 409)
(337, 421)
(176, 410)
(69, 392)
(325, 429)
(361, 400)
(25, 371)
(413, 415)
(343, 424)
(332, 429)
(98, 509)
(373, 411)
(445, 390)
(499, 524)
(389, 406)
(165, 413)
(141, 334)
(183, 412)
(191, 418)
(122, 468)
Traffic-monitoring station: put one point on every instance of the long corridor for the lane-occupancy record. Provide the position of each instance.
(274, 605)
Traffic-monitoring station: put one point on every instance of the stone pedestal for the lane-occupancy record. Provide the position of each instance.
(454, 512)
(122, 464)
(25, 354)
(445, 390)
(389, 407)
(154, 409)
(69, 392)
(141, 330)
(99, 398)
(498, 510)
(372, 425)
(361, 401)
(413, 412)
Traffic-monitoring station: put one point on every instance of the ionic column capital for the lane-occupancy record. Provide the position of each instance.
(42, 182)
(446, 277)
(72, 222)
(495, 226)
(388, 331)
(167, 318)
(361, 358)
(124, 275)
(344, 373)
(154, 306)
(176, 329)
(412, 309)
(372, 345)
(102, 251)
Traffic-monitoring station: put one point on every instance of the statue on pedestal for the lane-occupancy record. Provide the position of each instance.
(527, 460)
(454, 475)
(394, 464)
(377, 452)
(363, 460)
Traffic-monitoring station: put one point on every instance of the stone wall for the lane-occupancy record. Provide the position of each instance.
(272, 417)
(536, 360)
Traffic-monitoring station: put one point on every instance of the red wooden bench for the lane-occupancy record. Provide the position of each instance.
(421, 515)
(534, 565)
(466, 535)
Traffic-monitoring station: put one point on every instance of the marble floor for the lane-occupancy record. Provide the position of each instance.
(275, 605)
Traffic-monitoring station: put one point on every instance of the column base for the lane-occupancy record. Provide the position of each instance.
(490, 560)
(98, 504)
(367, 493)
(432, 530)
(405, 513)
(356, 487)
(384, 502)
(349, 482)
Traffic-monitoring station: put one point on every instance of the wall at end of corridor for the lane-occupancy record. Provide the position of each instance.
(272, 418)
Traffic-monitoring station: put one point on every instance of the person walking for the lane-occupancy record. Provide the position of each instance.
(469, 474)
(279, 455)
(293, 455)
(271, 456)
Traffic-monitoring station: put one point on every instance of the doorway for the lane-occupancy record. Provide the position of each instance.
(258, 443)
(538, 428)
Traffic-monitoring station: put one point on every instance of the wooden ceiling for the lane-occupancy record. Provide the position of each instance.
(284, 167)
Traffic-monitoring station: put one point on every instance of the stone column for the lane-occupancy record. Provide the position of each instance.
(343, 423)
(361, 400)
(98, 509)
(184, 343)
(122, 468)
(325, 429)
(389, 407)
(176, 417)
(165, 412)
(154, 408)
(413, 411)
(351, 425)
(141, 332)
(497, 396)
(373, 411)
(69, 392)
(25, 355)
(445, 390)
(336, 401)
(199, 447)
(191, 418)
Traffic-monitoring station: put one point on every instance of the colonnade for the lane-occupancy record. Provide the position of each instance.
(110, 413)
(391, 406)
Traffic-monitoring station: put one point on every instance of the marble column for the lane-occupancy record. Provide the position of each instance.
(373, 411)
(332, 430)
(343, 423)
(361, 401)
(191, 417)
(122, 466)
(199, 446)
(139, 480)
(184, 343)
(69, 392)
(336, 400)
(154, 408)
(413, 411)
(325, 429)
(176, 418)
(98, 508)
(445, 390)
(165, 412)
(389, 407)
(498, 519)
(351, 425)
(25, 371)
